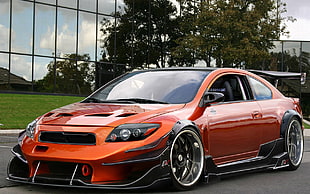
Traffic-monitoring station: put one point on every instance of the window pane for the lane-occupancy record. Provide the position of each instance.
(4, 60)
(66, 35)
(40, 67)
(87, 34)
(4, 71)
(305, 68)
(4, 25)
(22, 26)
(88, 5)
(104, 22)
(21, 67)
(45, 30)
(277, 48)
(291, 52)
(305, 57)
(47, 1)
(260, 91)
(68, 3)
(121, 6)
(106, 7)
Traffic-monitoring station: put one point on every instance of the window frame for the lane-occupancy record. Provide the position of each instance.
(243, 84)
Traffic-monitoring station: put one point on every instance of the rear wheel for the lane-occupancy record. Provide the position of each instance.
(294, 143)
(186, 159)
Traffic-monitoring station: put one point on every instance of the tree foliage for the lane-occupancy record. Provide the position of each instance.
(72, 75)
(145, 33)
(231, 31)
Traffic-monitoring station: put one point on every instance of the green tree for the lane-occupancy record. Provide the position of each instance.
(232, 32)
(145, 33)
(73, 75)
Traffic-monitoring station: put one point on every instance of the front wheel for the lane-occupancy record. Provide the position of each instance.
(186, 159)
(294, 144)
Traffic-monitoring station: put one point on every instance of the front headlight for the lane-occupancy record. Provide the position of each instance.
(31, 128)
(132, 132)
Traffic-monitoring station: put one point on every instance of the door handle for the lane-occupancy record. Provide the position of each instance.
(257, 115)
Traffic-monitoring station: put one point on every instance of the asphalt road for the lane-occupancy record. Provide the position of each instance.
(279, 181)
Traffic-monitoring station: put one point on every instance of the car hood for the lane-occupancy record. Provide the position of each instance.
(95, 114)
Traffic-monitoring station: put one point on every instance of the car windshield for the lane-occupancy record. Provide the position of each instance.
(173, 87)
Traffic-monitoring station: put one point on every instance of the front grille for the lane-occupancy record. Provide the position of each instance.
(67, 138)
(60, 172)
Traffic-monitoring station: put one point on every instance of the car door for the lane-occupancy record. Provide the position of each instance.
(234, 125)
(269, 106)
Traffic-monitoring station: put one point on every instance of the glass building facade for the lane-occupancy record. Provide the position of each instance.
(35, 33)
(38, 35)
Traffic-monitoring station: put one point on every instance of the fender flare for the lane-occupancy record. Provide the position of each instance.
(181, 124)
(288, 115)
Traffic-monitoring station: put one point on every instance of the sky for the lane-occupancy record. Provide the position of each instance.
(300, 29)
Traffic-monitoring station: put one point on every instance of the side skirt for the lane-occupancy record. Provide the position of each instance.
(271, 156)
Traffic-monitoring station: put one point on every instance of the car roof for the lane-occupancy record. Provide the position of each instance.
(181, 69)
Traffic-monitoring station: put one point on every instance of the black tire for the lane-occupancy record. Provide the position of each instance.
(186, 159)
(294, 143)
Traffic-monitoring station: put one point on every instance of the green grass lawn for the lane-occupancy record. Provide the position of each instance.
(17, 110)
(306, 126)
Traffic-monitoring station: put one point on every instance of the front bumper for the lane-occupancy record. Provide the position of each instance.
(130, 174)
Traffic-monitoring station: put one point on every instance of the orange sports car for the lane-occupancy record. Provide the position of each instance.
(182, 124)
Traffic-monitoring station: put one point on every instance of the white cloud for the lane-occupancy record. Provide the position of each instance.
(40, 70)
(4, 34)
(66, 38)
(298, 9)
(48, 39)
(4, 8)
(299, 30)
(87, 36)
(21, 66)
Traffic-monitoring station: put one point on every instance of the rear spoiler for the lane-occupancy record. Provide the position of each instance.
(276, 75)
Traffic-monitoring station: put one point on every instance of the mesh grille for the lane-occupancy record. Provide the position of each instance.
(68, 138)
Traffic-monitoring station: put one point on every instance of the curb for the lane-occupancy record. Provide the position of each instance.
(10, 131)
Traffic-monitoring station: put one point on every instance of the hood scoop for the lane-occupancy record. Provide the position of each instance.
(99, 115)
(49, 114)
(109, 114)
(126, 114)
(64, 115)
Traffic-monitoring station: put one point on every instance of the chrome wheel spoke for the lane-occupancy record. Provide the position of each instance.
(295, 143)
(187, 158)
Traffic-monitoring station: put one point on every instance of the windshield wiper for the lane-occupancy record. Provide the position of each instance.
(92, 100)
(142, 100)
(96, 100)
(124, 100)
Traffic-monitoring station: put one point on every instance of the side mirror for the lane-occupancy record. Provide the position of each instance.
(211, 97)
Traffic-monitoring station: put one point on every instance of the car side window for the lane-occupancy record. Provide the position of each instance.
(231, 86)
(260, 91)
